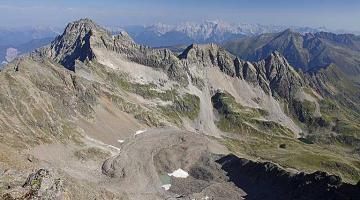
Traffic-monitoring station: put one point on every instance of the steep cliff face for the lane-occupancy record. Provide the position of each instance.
(272, 74)
(75, 43)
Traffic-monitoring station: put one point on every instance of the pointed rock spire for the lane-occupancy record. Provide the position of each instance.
(75, 43)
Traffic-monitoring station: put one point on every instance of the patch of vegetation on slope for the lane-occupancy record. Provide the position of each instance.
(340, 106)
(291, 153)
(335, 123)
(39, 110)
(304, 111)
(149, 117)
(187, 105)
(91, 153)
(249, 137)
(339, 121)
(236, 118)
(344, 122)
(180, 105)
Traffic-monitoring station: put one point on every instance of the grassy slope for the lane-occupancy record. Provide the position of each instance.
(250, 137)
(182, 105)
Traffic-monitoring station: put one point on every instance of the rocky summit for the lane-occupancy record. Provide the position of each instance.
(94, 115)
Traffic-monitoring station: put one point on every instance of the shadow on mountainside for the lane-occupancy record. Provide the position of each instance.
(267, 181)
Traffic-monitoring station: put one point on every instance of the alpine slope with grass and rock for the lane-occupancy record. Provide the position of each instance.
(96, 116)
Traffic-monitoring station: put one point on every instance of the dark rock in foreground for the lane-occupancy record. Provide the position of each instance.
(268, 181)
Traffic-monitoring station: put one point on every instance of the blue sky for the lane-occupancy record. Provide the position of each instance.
(333, 14)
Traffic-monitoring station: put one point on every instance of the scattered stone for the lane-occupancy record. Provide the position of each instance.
(38, 185)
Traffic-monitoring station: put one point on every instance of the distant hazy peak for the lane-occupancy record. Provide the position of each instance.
(161, 28)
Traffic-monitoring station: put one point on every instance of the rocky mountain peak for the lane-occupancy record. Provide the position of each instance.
(122, 38)
(276, 63)
(283, 79)
(288, 35)
(210, 55)
(81, 30)
(289, 30)
(205, 52)
(276, 57)
(82, 25)
(79, 39)
(195, 50)
(75, 43)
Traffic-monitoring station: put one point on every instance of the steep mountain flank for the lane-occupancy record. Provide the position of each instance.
(272, 74)
(340, 106)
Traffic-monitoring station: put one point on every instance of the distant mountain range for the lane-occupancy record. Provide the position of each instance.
(186, 33)
(309, 51)
(8, 53)
(16, 41)
(18, 36)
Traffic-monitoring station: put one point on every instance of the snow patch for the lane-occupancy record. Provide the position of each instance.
(115, 150)
(121, 141)
(179, 173)
(139, 132)
(11, 54)
(166, 186)
(109, 64)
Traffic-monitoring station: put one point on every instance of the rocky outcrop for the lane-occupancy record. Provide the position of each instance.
(39, 185)
(282, 79)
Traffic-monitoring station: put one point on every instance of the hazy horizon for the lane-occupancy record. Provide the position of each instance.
(332, 14)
